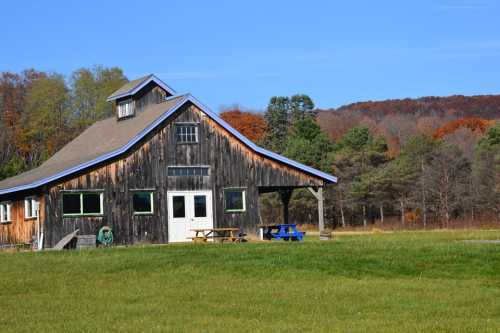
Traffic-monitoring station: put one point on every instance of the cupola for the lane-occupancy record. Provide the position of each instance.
(137, 94)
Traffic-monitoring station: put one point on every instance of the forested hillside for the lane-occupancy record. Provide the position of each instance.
(426, 162)
(483, 106)
(399, 119)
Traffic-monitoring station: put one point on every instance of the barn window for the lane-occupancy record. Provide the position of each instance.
(187, 171)
(92, 203)
(142, 202)
(30, 208)
(234, 200)
(125, 109)
(186, 133)
(82, 203)
(5, 208)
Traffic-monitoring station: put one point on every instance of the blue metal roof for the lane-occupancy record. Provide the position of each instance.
(151, 127)
(141, 84)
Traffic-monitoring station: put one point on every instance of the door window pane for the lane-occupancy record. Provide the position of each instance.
(71, 203)
(200, 206)
(142, 202)
(178, 206)
(92, 203)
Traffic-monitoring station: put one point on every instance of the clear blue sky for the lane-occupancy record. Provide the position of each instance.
(227, 52)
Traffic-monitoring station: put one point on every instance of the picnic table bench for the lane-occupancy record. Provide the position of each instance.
(280, 231)
(217, 235)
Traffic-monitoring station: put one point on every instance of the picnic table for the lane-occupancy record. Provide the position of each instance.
(280, 231)
(217, 234)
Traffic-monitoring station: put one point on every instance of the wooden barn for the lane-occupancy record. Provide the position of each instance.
(165, 164)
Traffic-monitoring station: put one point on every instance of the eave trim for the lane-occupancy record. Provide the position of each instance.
(134, 90)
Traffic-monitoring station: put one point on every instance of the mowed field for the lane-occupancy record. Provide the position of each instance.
(401, 282)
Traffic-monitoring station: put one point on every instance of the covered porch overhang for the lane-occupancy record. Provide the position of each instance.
(285, 194)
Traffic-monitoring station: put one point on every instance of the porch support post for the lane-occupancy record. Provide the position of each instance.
(321, 214)
(285, 195)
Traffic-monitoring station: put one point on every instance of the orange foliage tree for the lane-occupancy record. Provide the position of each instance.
(476, 125)
(252, 125)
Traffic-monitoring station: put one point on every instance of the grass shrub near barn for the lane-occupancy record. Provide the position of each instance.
(408, 281)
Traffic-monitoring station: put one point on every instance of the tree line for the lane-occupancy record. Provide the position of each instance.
(432, 175)
(40, 112)
(421, 168)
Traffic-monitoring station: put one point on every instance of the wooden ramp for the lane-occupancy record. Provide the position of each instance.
(65, 241)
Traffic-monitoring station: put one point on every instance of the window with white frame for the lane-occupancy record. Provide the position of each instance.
(125, 108)
(186, 132)
(234, 200)
(82, 203)
(142, 202)
(30, 208)
(5, 208)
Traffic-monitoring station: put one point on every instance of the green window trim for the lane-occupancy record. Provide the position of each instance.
(151, 202)
(82, 194)
(243, 200)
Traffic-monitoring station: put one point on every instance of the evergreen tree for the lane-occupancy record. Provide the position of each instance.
(309, 145)
(301, 107)
(277, 123)
(486, 173)
(281, 115)
(357, 154)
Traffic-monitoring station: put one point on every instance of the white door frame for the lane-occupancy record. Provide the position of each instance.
(182, 226)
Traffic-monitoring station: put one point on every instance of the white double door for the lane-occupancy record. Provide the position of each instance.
(188, 210)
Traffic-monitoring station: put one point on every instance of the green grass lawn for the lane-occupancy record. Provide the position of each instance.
(409, 281)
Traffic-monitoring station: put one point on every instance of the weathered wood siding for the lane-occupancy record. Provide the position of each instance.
(231, 164)
(20, 229)
(150, 94)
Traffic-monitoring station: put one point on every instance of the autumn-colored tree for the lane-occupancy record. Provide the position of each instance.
(250, 124)
(89, 89)
(477, 125)
(446, 178)
(486, 106)
(13, 90)
(336, 124)
(39, 113)
(46, 120)
(397, 129)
